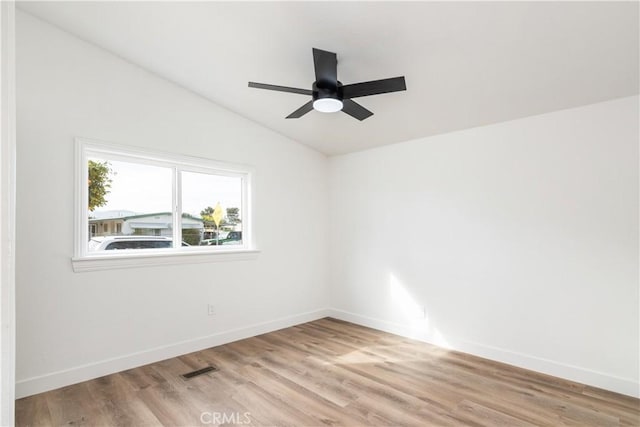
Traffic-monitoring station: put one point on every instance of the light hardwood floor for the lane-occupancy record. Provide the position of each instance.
(325, 373)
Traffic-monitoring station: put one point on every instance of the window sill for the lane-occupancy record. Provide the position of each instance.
(111, 262)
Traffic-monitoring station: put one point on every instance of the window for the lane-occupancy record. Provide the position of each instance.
(135, 203)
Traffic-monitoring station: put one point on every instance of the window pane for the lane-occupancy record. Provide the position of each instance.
(127, 203)
(214, 202)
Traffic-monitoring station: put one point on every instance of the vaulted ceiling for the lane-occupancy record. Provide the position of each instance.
(466, 64)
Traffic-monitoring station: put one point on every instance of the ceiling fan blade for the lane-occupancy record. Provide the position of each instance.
(326, 66)
(355, 110)
(280, 88)
(374, 87)
(301, 111)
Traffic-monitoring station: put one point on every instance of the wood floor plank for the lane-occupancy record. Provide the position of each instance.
(320, 410)
(276, 410)
(34, 411)
(483, 391)
(142, 377)
(471, 411)
(119, 402)
(71, 405)
(387, 401)
(329, 373)
(325, 386)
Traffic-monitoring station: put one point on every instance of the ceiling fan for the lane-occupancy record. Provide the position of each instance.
(330, 95)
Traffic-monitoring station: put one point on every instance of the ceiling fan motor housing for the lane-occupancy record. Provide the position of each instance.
(323, 90)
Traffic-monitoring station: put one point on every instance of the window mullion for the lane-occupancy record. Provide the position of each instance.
(177, 208)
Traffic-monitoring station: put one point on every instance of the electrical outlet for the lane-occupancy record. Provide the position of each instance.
(211, 309)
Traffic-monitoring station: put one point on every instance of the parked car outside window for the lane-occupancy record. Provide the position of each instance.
(232, 238)
(109, 243)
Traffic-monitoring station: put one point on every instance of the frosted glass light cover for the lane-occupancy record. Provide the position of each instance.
(327, 105)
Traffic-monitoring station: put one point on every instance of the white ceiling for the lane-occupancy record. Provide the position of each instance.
(466, 63)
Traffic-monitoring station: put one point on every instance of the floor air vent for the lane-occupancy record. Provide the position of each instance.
(202, 371)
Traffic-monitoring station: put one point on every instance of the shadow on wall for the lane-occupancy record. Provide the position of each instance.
(413, 315)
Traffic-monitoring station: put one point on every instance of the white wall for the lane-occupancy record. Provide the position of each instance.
(72, 326)
(7, 212)
(520, 240)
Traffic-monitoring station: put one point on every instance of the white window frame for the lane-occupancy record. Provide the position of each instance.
(83, 260)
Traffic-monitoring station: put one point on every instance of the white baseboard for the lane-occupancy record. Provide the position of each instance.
(602, 380)
(39, 384)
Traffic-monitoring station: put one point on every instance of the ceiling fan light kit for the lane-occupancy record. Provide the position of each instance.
(328, 95)
(327, 105)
